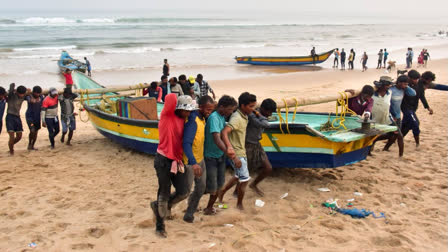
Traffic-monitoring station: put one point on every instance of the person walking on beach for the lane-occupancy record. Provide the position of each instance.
(89, 67)
(2, 106)
(343, 59)
(409, 105)
(313, 55)
(68, 120)
(234, 137)
(214, 149)
(201, 87)
(193, 144)
(13, 121)
(409, 56)
(425, 58)
(32, 114)
(351, 59)
(166, 68)
(68, 78)
(256, 156)
(168, 161)
(385, 56)
(364, 61)
(175, 88)
(49, 115)
(154, 91)
(336, 58)
(380, 59)
(398, 91)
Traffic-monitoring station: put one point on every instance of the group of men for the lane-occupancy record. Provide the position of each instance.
(396, 104)
(196, 139)
(342, 56)
(41, 111)
(193, 87)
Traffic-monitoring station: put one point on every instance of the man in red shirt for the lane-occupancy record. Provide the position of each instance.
(68, 78)
(168, 160)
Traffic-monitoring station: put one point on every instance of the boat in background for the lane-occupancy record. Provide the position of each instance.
(284, 61)
(293, 140)
(67, 62)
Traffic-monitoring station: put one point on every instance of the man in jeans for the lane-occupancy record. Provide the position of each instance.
(49, 115)
(168, 161)
(193, 144)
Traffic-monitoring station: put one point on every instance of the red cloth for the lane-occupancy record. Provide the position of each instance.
(359, 107)
(171, 130)
(68, 78)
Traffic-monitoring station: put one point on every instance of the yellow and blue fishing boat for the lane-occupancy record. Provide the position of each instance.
(283, 61)
(294, 140)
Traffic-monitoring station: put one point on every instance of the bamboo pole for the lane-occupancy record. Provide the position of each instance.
(104, 90)
(311, 100)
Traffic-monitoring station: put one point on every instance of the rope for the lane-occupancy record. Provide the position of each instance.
(295, 110)
(286, 114)
(280, 119)
(343, 102)
(81, 100)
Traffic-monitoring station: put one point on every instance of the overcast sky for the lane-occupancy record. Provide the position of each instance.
(390, 7)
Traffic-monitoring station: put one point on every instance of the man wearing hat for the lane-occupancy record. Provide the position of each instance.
(168, 161)
(49, 114)
(68, 121)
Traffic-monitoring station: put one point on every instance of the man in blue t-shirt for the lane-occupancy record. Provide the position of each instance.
(214, 149)
(398, 92)
(385, 55)
(32, 114)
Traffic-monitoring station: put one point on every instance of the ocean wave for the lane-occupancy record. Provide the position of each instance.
(49, 48)
(7, 21)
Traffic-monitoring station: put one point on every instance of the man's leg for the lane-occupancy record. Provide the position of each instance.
(162, 166)
(233, 181)
(11, 142)
(266, 171)
(243, 178)
(241, 191)
(50, 126)
(212, 182)
(32, 138)
(195, 196)
(182, 182)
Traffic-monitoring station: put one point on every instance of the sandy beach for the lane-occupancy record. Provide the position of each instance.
(94, 195)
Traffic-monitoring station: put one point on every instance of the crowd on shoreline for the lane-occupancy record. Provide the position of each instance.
(383, 56)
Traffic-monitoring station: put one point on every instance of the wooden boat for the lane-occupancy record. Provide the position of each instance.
(293, 141)
(67, 62)
(283, 61)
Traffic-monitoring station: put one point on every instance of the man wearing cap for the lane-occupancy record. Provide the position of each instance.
(398, 91)
(68, 121)
(168, 161)
(381, 100)
(49, 114)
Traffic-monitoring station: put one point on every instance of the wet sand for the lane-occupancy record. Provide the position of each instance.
(94, 195)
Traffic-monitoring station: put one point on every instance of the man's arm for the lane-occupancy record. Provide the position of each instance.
(424, 101)
(225, 138)
(218, 141)
(43, 112)
(259, 120)
(410, 91)
(211, 91)
(196, 89)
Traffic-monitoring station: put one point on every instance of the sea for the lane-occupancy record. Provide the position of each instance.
(129, 47)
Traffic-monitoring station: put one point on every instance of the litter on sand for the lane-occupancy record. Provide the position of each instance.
(259, 203)
(32, 245)
(350, 200)
(284, 196)
(211, 245)
(323, 189)
(228, 225)
(357, 194)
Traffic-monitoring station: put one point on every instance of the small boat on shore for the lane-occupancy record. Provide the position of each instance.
(283, 61)
(67, 62)
(294, 140)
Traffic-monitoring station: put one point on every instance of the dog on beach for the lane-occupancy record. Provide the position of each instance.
(400, 72)
(390, 65)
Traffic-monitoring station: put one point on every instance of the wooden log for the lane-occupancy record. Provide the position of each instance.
(103, 90)
(311, 100)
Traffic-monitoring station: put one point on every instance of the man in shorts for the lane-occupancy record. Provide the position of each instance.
(13, 121)
(234, 137)
(214, 148)
(32, 114)
(256, 156)
(68, 114)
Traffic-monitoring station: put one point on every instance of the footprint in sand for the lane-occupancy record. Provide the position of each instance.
(96, 232)
(83, 246)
